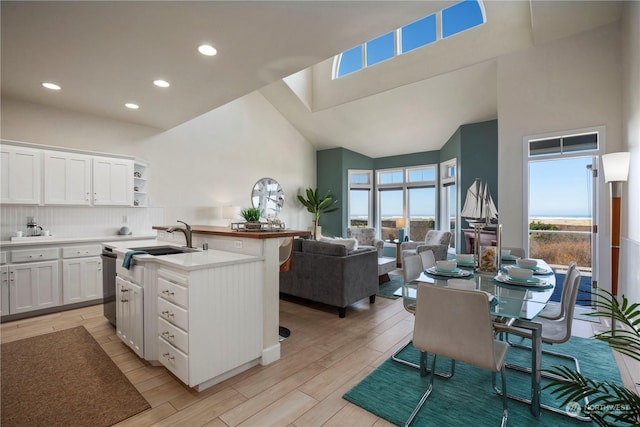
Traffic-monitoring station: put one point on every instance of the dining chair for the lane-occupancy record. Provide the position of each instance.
(427, 256)
(556, 311)
(554, 332)
(457, 324)
(413, 266)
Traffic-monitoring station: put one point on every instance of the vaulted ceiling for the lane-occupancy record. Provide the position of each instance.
(104, 54)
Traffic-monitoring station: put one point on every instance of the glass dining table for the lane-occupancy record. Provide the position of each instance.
(514, 304)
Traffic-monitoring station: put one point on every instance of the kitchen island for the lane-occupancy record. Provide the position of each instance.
(198, 313)
(265, 244)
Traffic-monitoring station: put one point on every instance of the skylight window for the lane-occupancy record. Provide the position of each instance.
(461, 17)
(350, 61)
(418, 34)
(380, 49)
(453, 20)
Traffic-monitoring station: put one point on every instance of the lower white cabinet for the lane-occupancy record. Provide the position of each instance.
(32, 286)
(81, 279)
(4, 290)
(130, 314)
(209, 321)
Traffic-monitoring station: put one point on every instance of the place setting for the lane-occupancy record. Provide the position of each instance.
(518, 276)
(448, 269)
(529, 264)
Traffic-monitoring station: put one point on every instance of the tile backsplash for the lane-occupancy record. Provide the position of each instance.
(79, 221)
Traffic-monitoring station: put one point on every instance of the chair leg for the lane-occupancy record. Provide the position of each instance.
(395, 358)
(425, 396)
(550, 376)
(503, 392)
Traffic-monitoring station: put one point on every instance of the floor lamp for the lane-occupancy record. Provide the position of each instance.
(615, 167)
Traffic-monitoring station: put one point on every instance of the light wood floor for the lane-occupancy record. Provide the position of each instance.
(324, 357)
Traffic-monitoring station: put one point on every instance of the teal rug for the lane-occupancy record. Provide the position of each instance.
(393, 390)
(387, 289)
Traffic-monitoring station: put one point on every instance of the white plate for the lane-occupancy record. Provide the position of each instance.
(506, 279)
(458, 273)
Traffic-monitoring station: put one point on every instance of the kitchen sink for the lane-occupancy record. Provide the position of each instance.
(164, 250)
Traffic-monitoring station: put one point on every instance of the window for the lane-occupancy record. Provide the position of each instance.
(360, 186)
(461, 17)
(453, 20)
(350, 61)
(407, 200)
(448, 197)
(563, 144)
(418, 34)
(380, 49)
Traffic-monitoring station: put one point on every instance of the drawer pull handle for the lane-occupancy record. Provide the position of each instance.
(124, 300)
(168, 335)
(167, 313)
(167, 292)
(168, 356)
(124, 290)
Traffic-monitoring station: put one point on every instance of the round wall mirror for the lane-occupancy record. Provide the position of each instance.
(267, 195)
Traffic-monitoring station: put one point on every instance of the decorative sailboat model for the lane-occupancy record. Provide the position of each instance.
(479, 208)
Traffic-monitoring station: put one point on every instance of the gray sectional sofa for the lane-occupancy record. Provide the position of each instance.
(330, 274)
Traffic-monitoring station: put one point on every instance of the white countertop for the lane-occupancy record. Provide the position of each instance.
(186, 261)
(53, 240)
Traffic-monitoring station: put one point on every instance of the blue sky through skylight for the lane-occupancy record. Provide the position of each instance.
(454, 19)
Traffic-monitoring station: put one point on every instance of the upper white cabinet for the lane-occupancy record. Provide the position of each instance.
(112, 181)
(67, 178)
(20, 170)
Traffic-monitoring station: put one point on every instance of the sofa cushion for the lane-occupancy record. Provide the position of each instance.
(323, 248)
(350, 244)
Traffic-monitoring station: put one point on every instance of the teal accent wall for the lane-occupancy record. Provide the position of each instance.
(474, 145)
(333, 173)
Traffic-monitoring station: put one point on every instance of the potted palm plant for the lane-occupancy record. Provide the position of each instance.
(317, 205)
(252, 218)
(625, 338)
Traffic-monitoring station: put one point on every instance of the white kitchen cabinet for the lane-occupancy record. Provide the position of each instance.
(112, 181)
(81, 279)
(20, 169)
(209, 321)
(33, 285)
(130, 314)
(4, 290)
(67, 178)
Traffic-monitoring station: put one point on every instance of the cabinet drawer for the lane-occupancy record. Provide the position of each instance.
(28, 255)
(172, 276)
(3, 257)
(171, 292)
(174, 360)
(173, 314)
(81, 251)
(173, 335)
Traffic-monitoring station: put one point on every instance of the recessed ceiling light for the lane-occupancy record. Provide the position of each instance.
(51, 86)
(207, 50)
(132, 105)
(161, 83)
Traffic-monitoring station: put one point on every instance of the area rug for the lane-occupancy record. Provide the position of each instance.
(387, 289)
(64, 379)
(393, 390)
(584, 289)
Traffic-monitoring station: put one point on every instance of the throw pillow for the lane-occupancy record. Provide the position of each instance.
(350, 244)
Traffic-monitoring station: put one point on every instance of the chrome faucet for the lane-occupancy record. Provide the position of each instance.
(188, 232)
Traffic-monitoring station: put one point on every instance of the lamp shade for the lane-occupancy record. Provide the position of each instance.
(615, 166)
(400, 223)
(230, 212)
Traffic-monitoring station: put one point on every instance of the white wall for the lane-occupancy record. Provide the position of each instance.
(630, 239)
(567, 84)
(195, 168)
(214, 160)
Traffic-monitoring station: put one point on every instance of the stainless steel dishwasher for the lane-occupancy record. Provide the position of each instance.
(109, 284)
